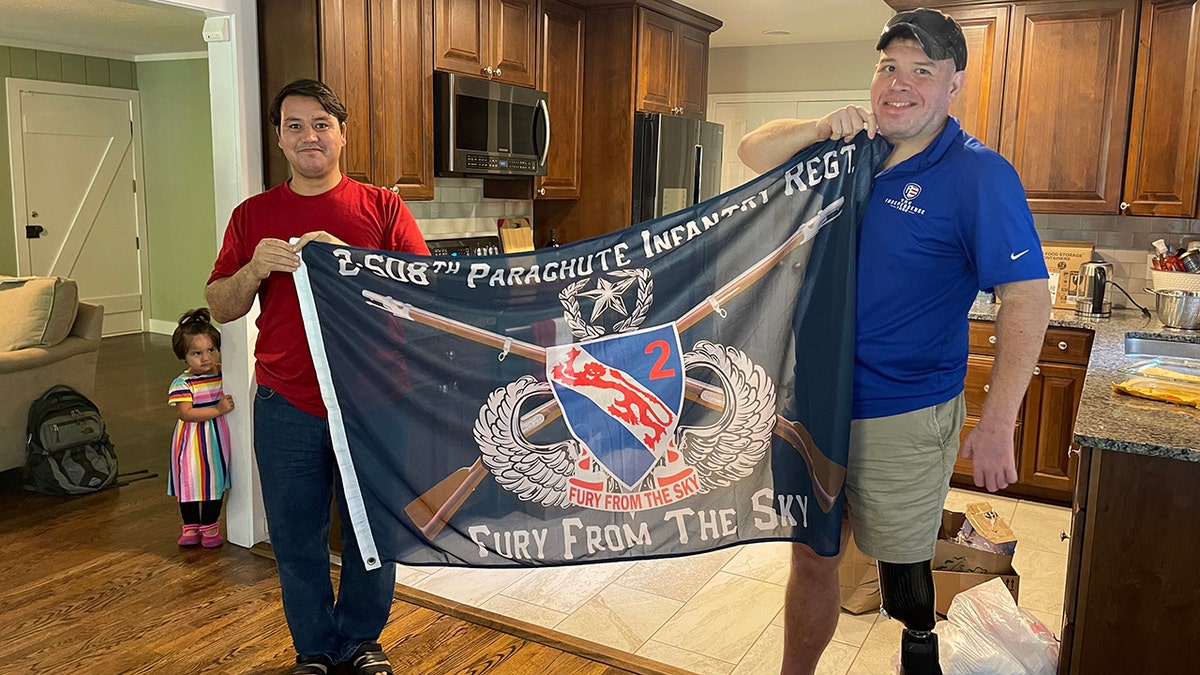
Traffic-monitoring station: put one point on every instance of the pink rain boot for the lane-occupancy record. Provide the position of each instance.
(190, 536)
(210, 535)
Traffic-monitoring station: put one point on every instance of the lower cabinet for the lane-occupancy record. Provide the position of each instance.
(1046, 458)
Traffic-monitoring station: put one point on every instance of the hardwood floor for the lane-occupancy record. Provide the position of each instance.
(97, 585)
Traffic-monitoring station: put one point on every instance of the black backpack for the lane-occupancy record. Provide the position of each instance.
(68, 451)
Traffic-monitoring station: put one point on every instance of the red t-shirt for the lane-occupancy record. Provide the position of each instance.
(360, 215)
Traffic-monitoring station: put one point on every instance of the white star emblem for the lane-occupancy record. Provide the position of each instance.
(607, 295)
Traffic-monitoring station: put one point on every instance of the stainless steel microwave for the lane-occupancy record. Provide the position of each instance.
(488, 128)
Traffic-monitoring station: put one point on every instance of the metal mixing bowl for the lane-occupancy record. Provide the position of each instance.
(1178, 309)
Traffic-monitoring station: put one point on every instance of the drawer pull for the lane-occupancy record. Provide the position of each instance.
(986, 388)
(1063, 536)
(1062, 346)
(992, 339)
(1037, 370)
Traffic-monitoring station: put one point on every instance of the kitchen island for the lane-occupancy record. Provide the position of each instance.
(1131, 599)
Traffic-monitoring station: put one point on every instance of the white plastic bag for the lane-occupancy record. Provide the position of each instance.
(964, 651)
(989, 612)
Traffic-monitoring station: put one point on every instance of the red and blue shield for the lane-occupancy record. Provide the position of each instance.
(911, 191)
(621, 396)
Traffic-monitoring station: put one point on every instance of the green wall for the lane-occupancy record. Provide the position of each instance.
(178, 173)
(34, 64)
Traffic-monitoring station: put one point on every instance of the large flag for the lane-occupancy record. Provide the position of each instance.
(678, 386)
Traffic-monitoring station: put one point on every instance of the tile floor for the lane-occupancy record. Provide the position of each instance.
(721, 613)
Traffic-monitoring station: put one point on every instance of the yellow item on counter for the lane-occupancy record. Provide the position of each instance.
(1160, 390)
(1169, 374)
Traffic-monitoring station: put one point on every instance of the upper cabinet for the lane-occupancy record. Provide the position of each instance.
(1066, 102)
(1163, 168)
(672, 65)
(978, 106)
(561, 77)
(1095, 102)
(377, 56)
(492, 39)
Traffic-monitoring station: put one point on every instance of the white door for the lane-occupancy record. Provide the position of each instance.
(742, 113)
(76, 209)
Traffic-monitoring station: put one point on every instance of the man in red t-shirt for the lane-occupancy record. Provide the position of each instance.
(291, 433)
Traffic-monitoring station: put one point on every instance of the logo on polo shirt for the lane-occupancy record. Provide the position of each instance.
(911, 192)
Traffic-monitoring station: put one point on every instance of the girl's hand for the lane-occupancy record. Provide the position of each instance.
(225, 405)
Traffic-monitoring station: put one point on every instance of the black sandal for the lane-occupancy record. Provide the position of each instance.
(316, 665)
(369, 659)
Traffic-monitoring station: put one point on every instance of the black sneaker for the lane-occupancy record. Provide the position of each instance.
(369, 659)
(312, 665)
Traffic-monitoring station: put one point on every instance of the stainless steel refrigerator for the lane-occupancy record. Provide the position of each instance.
(676, 163)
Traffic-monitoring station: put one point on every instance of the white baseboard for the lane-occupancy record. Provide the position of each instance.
(160, 327)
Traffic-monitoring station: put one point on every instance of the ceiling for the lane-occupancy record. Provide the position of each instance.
(137, 29)
(805, 20)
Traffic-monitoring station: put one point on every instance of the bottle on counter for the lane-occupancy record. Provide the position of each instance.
(552, 242)
(1166, 260)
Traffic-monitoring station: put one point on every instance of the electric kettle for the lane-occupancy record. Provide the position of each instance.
(1091, 300)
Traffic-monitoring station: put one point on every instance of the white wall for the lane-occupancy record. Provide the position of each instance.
(804, 67)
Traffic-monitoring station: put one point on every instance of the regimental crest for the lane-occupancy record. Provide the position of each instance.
(621, 397)
(911, 191)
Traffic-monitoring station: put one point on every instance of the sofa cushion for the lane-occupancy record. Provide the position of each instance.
(37, 311)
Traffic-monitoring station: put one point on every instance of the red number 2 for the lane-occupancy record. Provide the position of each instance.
(664, 353)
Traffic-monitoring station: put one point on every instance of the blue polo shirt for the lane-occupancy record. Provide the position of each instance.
(940, 227)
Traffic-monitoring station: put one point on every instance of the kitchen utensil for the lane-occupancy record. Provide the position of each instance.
(1177, 309)
(1092, 297)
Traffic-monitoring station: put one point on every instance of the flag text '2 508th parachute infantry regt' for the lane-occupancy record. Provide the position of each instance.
(678, 386)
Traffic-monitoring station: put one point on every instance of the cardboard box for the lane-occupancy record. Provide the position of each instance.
(1063, 259)
(957, 567)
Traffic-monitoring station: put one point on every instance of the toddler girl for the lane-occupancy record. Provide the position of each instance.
(200, 444)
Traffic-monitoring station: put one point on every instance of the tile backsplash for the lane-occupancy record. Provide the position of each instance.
(459, 208)
(1123, 241)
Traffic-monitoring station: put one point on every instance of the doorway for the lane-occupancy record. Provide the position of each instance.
(76, 159)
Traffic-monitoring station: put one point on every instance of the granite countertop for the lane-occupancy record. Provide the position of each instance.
(1112, 421)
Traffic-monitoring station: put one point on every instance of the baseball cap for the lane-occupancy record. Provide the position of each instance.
(938, 34)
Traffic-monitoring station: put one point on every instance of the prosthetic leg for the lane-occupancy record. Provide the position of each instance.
(907, 590)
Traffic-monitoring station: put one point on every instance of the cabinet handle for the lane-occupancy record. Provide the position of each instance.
(991, 339)
(1124, 207)
(498, 73)
(1062, 346)
(541, 191)
(1072, 450)
(488, 71)
(1063, 536)
(986, 387)
(1037, 370)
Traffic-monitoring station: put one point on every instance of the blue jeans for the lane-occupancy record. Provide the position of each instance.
(298, 474)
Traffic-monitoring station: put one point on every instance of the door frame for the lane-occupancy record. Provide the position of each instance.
(16, 149)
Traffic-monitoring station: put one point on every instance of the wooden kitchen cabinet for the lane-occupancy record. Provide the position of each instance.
(492, 39)
(978, 106)
(1162, 170)
(1045, 422)
(1131, 595)
(672, 66)
(561, 77)
(1065, 100)
(614, 60)
(377, 56)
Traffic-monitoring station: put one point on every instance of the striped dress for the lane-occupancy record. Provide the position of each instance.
(199, 450)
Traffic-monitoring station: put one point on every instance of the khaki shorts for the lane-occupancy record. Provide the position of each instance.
(897, 479)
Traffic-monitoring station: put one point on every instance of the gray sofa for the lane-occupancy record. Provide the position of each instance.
(47, 337)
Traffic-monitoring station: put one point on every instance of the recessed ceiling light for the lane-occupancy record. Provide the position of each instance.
(777, 31)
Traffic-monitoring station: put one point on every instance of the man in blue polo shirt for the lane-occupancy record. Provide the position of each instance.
(947, 217)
